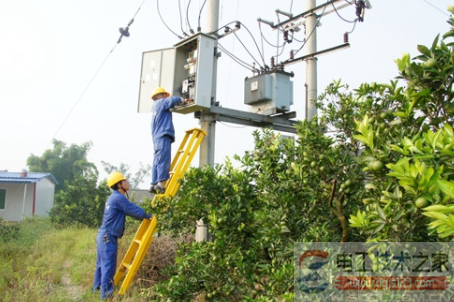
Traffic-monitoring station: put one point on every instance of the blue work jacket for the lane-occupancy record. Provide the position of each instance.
(115, 211)
(161, 122)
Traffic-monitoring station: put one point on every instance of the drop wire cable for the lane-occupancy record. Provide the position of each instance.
(247, 50)
(354, 25)
(318, 21)
(200, 12)
(83, 92)
(348, 21)
(435, 7)
(181, 19)
(255, 42)
(261, 33)
(236, 59)
(187, 17)
(89, 83)
(160, 16)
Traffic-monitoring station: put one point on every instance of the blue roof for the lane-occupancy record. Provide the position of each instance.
(32, 177)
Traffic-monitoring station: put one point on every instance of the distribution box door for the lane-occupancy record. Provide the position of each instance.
(158, 67)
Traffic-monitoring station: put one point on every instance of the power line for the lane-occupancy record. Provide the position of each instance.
(160, 16)
(201, 12)
(335, 9)
(181, 19)
(80, 97)
(247, 50)
(187, 17)
(435, 7)
(263, 38)
(124, 32)
(318, 21)
(233, 57)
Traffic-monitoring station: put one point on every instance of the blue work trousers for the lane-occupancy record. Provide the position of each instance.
(106, 264)
(161, 160)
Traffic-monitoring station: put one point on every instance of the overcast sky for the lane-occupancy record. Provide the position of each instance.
(50, 51)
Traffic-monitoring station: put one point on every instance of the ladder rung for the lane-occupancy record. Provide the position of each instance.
(138, 241)
(127, 265)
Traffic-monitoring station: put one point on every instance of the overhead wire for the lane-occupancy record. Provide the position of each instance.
(94, 76)
(255, 42)
(236, 59)
(160, 16)
(247, 50)
(305, 41)
(435, 7)
(264, 38)
(348, 21)
(181, 19)
(200, 13)
(187, 17)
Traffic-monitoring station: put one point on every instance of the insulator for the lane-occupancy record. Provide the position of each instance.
(291, 54)
(272, 62)
(345, 37)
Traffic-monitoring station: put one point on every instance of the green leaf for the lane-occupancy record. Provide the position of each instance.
(424, 50)
(370, 186)
(447, 187)
(439, 208)
(381, 213)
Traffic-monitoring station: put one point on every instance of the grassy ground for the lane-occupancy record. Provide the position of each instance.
(39, 262)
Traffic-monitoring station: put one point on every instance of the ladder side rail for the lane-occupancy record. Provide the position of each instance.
(140, 255)
(184, 164)
(144, 236)
(128, 257)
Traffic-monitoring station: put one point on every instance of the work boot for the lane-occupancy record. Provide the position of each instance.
(152, 189)
(159, 189)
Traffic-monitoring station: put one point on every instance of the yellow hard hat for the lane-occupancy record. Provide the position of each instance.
(114, 178)
(159, 90)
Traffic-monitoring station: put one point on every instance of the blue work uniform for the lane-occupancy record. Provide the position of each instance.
(112, 228)
(163, 134)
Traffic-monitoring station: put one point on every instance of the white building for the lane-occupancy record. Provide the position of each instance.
(25, 194)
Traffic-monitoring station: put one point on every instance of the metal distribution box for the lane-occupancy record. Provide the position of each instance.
(185, 70)
(269, 93)
(157, 71)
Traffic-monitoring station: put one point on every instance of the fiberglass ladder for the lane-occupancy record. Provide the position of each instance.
(144, 236)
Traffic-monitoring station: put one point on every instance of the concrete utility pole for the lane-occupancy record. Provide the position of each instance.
(311, 63)
(208, 120)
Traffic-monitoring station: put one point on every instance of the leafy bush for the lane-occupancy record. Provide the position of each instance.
(81, 203)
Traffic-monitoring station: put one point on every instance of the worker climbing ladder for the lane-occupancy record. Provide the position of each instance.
(144, 236)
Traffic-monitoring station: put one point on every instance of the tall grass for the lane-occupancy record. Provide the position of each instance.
(40, 262)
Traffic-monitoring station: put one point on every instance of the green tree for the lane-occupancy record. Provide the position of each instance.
(64, 163)
(78, 197)
(378, 155)
(135, 180)
(81, 203)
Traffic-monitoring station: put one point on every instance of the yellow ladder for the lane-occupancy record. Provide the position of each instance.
(144, 236)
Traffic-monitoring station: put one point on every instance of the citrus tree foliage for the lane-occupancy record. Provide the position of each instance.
(285, 191)
(81, 203)
(409, 131)
(375, 165)
(63, 162)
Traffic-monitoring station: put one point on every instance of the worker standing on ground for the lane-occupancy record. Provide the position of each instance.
(112, 228)
(163, 134)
